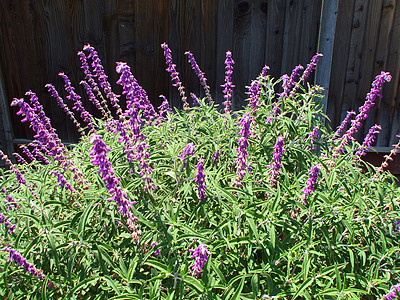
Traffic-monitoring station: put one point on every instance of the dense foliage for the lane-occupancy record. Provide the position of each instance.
(200, 203)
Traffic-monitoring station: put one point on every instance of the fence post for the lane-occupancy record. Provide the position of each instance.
(6, 135)
(326, 42)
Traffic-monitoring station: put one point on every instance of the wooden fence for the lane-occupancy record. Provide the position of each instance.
(40, 38)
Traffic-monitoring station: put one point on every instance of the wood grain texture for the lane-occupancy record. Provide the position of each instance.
(224, 43)
(339, 61)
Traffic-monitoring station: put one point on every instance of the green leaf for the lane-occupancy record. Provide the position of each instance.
(194, 283)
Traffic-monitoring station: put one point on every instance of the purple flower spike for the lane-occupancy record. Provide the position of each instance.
(344, 124)
(9, 227)
(200, 74)
(393, 293)
(356, 124)
(228, 85)
(20, 159)
(62, 181)
(294, 74)
(171, 69)
(215, 157)
(200, 179)
(264, 71)
(314, 136)
(162, 110)
(187, 151)
(310, 67)
(254, 92)
(312, 179)
(156, 252)
(19, 259)
(277, 164)
(241, 161)
(368, 140)
(200, 254)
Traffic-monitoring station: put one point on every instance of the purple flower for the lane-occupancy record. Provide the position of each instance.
(20, 159)
(19, 259)
(187, 151)
(264, 71)
(27, 152)
(102, 77)
(9, 227)
(194, 98)
(99, 158)
(162, 110)
(393, 293)
(293, 76)
(10, 202)
(156, 252)
(254, 92)
(215, 157)
(276, 165)
(368, 140)
(17, 172)
(200, 179)
(310, 67)
(171, 69)
(241, 161)
(344, 124)
(200, 74)
(312, 179)
(200, 254)
(314, 136)
(62, 181)
(76, 99)
(228, 85)
(363, 110)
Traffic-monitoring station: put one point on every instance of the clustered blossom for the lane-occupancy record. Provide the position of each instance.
(264, 71)
(344, 124)
(363, 110)
(277, 164)
(76, 99)
(394, 293)
(312, 179)
(200, 74)
(200, 254)
(187, 151)
(53, 92)
(195, 99)
(254, 92)
(215, 157)
(228, 85)
(92, 87)
(17, 172)
(162, 110)
(92, 98)
(368, 140)
(171, 69)
(155, 244)
(9, 227)
(19, 259)
(241, 161)
(10, 203)
(200, 179)
(310, 67)
(27, 152)
(295, 73)
(62, 181)
(314, 136)
(20, 159)
(102, 77)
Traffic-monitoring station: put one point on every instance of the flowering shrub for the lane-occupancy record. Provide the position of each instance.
(262, 203)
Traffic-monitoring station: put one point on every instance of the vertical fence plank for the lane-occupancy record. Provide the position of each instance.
(340, 54)
(258, 29)
(326, 44)
(389, 112)
(224, 43)
(274, 36)
(6, 138)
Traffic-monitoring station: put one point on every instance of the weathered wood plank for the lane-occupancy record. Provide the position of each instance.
(339, 61)
(356, 49)
(326, 45)
(6, 133)
(224, 43)
(209, 12)
(241, 46)
(389, 114)
(276, 15)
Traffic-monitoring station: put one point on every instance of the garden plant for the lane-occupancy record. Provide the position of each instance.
(198, 203)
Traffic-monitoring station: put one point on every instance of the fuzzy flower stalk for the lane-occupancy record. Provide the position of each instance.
(241, 161)
(344, 124)
(311, 181)
(200, 254)
(368, 140)
(8, 226)
(99, 159)
(228, 85)
(30, 268)
(187, 151)
(277, 164)
(394, 293)
(200, 179)
(356, 124)
(200, 75)
(171, 69)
